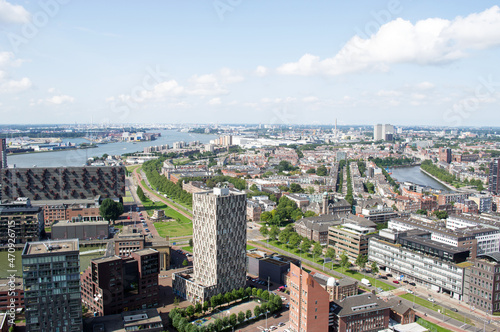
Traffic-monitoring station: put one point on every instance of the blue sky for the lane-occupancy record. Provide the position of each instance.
(242, 61)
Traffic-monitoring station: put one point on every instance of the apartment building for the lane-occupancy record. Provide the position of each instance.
(482, 283)
(51, 276)
(494, 178)
(11, 294)
(351, 236)
(309, 302)
(19, 217)
(219, 236)
(435, 265)
(114, 284)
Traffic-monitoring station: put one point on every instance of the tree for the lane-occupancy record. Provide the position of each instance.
(296, 188)
(274, 232)
(198, 308)
(283, 236)
(265, 295)
(140, 194)
(421, 211)
(253, 187)
(309, 214)
(330, 253)
(311, 171)
(185, 263)
(191, 243)
(176, 301)
(190, 311)
(110, 210)
(322, 171)
(218, 324)
(294, 240)
(241, 317)
(228, 297)
(361, 260)
(248, 314)
(257, 311)
(344, 261)
(441, 214)
(374, 267)
(306, 245)
(233, 319)
(206, 305)
(225, 321)
(264, 231)
(317, 249)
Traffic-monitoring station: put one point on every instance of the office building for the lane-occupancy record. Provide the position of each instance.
(84, 230)
(114, 284)
(435, 265)
(351, 236)
(51, 276)
(494, 178)
(63, 183)
(445, 155)
(309, 302)
(147, 320)
(19, 217)
(219, 236)
(363, 312)
(482, 283)
(383, 132)
(3, 153)
(269, 266)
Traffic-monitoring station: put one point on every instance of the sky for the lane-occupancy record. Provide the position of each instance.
(250, 61)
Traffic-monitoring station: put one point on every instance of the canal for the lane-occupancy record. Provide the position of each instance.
(415, 175)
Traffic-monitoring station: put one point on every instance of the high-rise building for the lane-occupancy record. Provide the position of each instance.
(114, 284)
(445, 155)
(494, 180)
(219, 250)
(309, 302)
(51, 275)
(383, 132)
(3, 153)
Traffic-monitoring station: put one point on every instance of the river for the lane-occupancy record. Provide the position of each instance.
(78, 157)
(415, 175)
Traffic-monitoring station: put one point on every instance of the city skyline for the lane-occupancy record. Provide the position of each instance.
(248, 62)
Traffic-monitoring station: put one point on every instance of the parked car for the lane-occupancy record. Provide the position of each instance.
(409, 291)
(412, 283)
(388, 275)
(395, 281)
(430, 299)
(281, 324)
(454, 309)
(405, 281)
(276, 315)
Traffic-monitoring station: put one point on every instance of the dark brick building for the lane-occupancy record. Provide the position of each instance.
(115, 284)
(55, 183)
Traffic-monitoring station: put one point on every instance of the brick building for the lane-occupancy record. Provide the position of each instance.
(364, 312)
(113, 284)
(482, 283)
(309, 302)
(316, 228)
(11, 294)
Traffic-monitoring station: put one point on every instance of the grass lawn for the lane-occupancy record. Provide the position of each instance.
(336, 267)
(174, 228)
(128, 197)
(150, 206)
(188, 249)
(436, 307)
(249, 247)
(431, 326)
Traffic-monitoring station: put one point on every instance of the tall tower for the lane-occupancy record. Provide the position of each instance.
(494, 180)
(3, 153)
(51, 275)
(219, 240)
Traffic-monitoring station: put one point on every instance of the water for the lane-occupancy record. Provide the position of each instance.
(415, 175)
(80, 156)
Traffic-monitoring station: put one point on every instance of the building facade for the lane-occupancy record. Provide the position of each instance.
(482, 283)
(309, 302)
(350, 238)
(11, 295)
(219, 237)
(51, 276)
(115, 284)
(494, 178)
(3, 153)
(22, 219)
(54, 183)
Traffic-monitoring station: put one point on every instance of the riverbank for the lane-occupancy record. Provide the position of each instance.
(447, 185)
(67, 149)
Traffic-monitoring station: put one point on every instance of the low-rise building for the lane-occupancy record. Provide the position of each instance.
(148, 320)
(316, 228)
(11, 294)
(351, 236)
(85, 230)
(364, 312)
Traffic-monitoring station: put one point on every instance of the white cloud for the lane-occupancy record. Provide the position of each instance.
(60, 99)
(310, 99)
(214, 101)
(261, 71)
(7, 59)
(425, 86)
(418, 96)
(10, 13)
(388, 93)
(427, 42)
(13, 86)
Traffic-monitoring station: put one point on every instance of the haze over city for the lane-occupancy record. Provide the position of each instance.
(280, 62)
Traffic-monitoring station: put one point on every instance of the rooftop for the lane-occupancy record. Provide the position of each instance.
(51, 247)
(357, 304)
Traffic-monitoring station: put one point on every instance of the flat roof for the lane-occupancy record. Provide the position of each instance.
(65, 223)
(147, 251)
(51, 247)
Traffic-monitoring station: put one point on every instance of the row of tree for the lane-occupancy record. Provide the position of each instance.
(286, 211)
(159, 182)
(180, 318)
